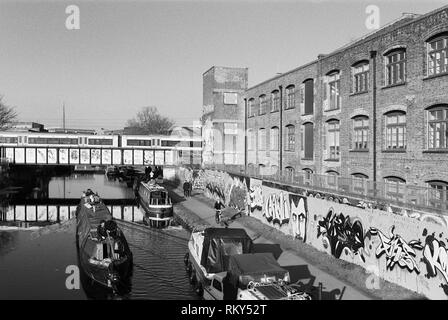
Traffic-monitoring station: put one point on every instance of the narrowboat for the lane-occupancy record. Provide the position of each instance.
(103, 252)
(156, 202)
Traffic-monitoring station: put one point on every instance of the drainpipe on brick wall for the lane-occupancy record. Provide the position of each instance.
(373, 57)
(245, 134)
(280, 133)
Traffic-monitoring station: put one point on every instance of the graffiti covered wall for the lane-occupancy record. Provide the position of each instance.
(408, 251)
(284, 210)
(399, 249)
(232, 190)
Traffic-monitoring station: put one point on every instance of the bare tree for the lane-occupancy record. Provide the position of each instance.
(149, 121)
(7, 115)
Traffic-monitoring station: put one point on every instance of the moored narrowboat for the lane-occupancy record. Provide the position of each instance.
(103, 251)
(156, 202)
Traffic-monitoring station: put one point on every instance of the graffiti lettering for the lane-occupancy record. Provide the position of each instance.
(256, 198)
(277, 208)
(436, 258)
(238, 194)
(397, 250)
(342, 234)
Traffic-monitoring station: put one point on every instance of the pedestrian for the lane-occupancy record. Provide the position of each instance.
(218, 208)
(186, 187)
(190, 189)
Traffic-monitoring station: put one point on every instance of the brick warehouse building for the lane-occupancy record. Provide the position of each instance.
(375, 109)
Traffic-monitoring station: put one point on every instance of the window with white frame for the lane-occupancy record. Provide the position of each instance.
(251, 107)
(290, 97)
(290, 138)
(289, 169)
(395, 67)
(332, 177)
(438, 127)
(437, 55)
(308, 174)
(394, 188)
(274, 138)
(263, 104)
(438, 194)
(250, 139)
(275, 100)
(262, 139)
(360, 80)
(230, 98)
(358, 182)
(396, 130)
(333, 139)
(333, 94)
(360, 132)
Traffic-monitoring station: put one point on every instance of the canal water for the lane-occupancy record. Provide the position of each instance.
(37, 259)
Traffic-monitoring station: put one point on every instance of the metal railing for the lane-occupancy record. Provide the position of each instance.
(401, 195)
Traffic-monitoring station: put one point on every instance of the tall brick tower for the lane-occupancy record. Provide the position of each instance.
(223, 115)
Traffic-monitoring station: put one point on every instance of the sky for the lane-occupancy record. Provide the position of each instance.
(131, 54)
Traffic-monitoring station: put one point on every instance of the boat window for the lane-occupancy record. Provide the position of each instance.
(231, 247)
(159, 198)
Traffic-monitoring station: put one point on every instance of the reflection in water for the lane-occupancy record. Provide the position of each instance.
(44, 214)
(33, 263)
(7, 241)
(74, 185)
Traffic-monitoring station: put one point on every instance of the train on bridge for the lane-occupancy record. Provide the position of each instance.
(74, 149)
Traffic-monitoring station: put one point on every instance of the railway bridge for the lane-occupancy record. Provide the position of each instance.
(30, 148)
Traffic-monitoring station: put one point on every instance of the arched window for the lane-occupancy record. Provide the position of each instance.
(359, 182)
(274, 138)
(290, 97)
(360, 132)
(333, 149)
(262, 139)
(360, 176)
(437, 54)
(290, 138)
(395, 67)
(251, 107)
(275, 100)
(250, 139)
(438, 195)
(360, 72)
(438, 127)
(395, 130)
(307, 145)
(332, 178)
(394, 187)
(289, 169)
(307, 97)
(263, 104)
(332, 93)
(307, 175)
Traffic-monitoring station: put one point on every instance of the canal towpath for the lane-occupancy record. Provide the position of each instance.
(340, 280)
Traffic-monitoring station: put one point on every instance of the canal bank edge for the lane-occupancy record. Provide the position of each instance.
(352, 274)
